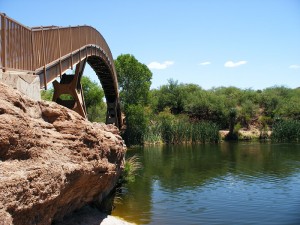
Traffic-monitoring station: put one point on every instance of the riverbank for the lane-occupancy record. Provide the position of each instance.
(250, 134)
(253, 133)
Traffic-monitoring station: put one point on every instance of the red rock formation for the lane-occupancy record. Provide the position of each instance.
(52, 161)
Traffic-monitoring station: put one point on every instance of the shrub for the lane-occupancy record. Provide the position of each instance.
(136, 125)
(131, 168)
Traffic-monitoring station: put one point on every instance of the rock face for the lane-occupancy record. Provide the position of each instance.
(52, 161)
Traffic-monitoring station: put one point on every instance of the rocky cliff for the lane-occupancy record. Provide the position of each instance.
(52, 161)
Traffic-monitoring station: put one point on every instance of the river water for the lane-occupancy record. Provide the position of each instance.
(227, 183)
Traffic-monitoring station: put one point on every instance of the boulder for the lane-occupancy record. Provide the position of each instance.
(52, 161)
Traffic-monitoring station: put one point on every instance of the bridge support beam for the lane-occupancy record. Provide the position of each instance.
(112, 113)
(70, 86)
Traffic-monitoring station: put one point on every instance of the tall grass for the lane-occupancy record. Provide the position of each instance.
(205, 132)
(286, 131)
(132, 166)
(180, 131)
(153, 134)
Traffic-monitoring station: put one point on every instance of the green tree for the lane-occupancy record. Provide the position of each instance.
(136, 125)
(93, 96)
(134, 80)
(247, 112)
(172, 96)
(47, 94)
(207, 106)
(289, 107)
(272, 98)
(233, 133)
(93, 93)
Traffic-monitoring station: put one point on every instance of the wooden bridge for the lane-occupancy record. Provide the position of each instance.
(48, 52)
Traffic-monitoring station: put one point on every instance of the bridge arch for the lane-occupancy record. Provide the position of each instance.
(50, 51)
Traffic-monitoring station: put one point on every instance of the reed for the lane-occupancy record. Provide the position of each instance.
(205, 132)
(153, 134)
(166, 130)
(286, 131)
(181, 131)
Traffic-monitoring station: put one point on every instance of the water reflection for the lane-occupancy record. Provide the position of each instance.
(215, 184)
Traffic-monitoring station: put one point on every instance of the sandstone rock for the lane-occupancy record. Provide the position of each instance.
(52, 161)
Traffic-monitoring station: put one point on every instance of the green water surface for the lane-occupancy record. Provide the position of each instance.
(227, 183)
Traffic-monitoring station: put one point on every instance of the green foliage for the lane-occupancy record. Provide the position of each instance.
(232, 119)
(178, 129)
(93, 96)
(47, 94)
(134, 80)
(93, 93)
(271, 98)
(131, 168)
(66, 97)
(187, 113)
(97, 113)
(237, 127)
(249, 95)
(231, 95)
(177, 112)
(265, 121)
(286, 131)
(166, 119)
(136, 125)
(205, 132)
(248, 111)
(192, 100)
(152, 135)
(290, 108)
(215, 105)
(171, 96)
(233, 127)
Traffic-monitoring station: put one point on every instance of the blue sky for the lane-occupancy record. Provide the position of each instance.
(243, 43)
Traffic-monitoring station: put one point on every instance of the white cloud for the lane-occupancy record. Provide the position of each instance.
(231, 64)
(204, 63)
(294, 67)
(160, 66)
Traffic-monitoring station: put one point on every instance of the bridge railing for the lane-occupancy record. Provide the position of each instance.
(16, 45)
(34, 49)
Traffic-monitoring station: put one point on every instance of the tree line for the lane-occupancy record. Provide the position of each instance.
(177, 112)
